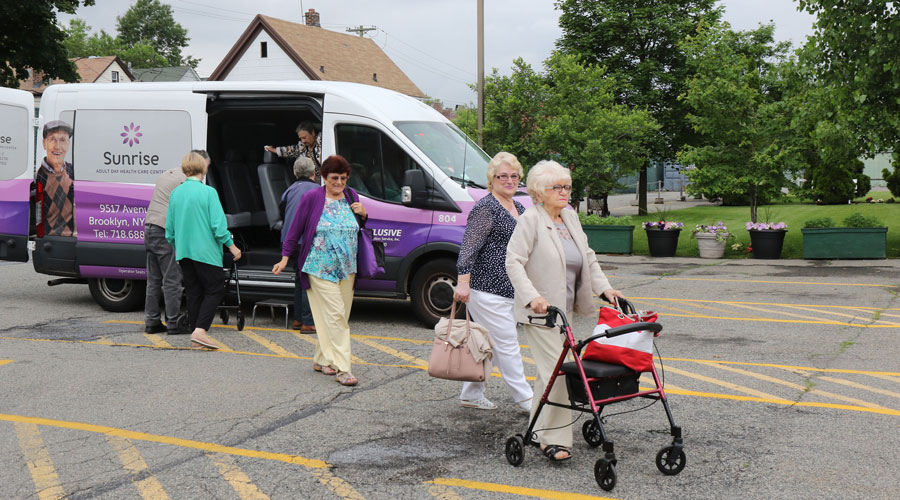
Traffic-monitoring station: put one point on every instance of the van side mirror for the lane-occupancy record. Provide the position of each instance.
(413, 192)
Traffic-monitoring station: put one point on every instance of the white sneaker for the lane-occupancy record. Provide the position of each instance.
(480, 404)
(524, 406)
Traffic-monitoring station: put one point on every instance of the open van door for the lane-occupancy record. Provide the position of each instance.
(16, 167)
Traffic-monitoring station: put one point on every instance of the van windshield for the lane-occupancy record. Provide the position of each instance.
(450, 149)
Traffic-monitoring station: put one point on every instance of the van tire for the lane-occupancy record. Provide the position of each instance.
(118, 295)
(431, 291)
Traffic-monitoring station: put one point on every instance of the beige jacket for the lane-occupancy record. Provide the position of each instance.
(536, 264)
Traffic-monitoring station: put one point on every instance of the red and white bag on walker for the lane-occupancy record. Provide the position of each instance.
(634, 350)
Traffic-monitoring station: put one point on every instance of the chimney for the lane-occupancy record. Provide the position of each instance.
(312, 18)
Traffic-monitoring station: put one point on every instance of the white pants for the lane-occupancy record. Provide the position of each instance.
(496, 314)
(546, 345)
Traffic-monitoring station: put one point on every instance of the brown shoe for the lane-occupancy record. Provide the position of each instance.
(297, 325)
(201, 341)
(308, 329)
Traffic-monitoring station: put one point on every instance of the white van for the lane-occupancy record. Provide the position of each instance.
(417, 173)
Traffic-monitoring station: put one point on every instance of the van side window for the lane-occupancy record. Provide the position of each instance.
(377, 163)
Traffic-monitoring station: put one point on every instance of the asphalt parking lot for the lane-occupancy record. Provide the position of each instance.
(784, 375)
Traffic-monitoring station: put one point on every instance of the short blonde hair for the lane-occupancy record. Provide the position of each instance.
(499, 159)
(193, 164)
(542, 176)
(304, 168)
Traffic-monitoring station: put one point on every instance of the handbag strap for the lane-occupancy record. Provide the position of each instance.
(450, 322)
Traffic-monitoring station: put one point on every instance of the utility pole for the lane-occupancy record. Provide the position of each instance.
(480, 20)
(360, 30)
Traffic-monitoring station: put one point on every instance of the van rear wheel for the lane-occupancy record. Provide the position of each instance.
(117, 295)
(432, 290)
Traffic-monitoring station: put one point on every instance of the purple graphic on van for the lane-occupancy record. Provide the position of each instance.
(14, 206)
(110, 212)
(112, 272)
(132, 135)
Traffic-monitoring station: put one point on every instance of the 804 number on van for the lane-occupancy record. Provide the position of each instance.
(447, 218)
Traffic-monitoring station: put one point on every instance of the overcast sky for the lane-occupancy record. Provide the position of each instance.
(433, 41)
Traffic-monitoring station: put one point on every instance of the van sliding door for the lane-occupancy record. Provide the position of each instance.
(16, 165)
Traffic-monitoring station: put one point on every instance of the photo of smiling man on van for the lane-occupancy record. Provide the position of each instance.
(310, 146)
(56, 175)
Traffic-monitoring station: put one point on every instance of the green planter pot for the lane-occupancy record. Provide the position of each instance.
(845, 243)
(662, 243)
(767, 243)
(610, 239)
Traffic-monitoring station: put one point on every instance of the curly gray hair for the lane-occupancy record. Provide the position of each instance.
(542, 176)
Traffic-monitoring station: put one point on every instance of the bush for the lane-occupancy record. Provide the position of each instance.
(863, 185)
(819, 222)
(596, 220)
(859, 220)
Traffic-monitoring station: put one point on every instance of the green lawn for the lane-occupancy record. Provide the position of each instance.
(794, 214)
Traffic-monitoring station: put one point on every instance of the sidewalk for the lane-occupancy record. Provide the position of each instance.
(621, 260)
(620, 204)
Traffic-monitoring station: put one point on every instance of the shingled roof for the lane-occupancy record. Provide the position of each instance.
(89, 69)
(344, 57)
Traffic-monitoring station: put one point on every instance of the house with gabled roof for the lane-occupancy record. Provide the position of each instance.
(275, 49)
(94, 69)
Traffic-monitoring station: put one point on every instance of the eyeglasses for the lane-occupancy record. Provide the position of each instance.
(337, 177)
(559, 188)
(507, 177)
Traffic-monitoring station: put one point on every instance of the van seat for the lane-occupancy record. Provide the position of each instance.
(274, 179)
(240, 195)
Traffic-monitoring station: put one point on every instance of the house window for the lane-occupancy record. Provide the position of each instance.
(263, 50)
(115, 77)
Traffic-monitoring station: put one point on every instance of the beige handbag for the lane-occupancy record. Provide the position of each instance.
(455, 363)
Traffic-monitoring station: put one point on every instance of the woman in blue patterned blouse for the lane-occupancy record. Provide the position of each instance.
(326, 227)
(483, 284)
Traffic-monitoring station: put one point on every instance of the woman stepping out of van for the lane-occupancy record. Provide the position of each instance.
(310, 146)
(326, 227)
(196, 227)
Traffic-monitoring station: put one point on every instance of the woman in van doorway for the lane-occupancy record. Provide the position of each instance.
(197, 229)
(310, 146)
(483, 284)
(326, 227)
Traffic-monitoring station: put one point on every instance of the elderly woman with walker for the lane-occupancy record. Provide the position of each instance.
(327, 231)
(549, 262)
(482, 282)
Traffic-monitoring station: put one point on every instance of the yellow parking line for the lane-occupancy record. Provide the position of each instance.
(442, 492)
(514, 490)
(104, 341)
(337, 485)
(5, 361)
(820, 311)
(652, 385)
(46, 481)
(149, 487)
(848, 383)
(795, 386)
(771, 311)
(154, 438)
(237, 478)
(268, 344)
(768, 320)
(394, 352)
(722, 383)
(786, 367)
(885, 377)
(157, 340)
(312, 339)
(222, 346)
(778, 282)
(707, 301)
(686, 311)
(812, 404)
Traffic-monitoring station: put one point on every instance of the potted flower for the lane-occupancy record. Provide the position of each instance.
(608, 234)
(861, 238)
(766, 239)
(711, 240)
(662, 237)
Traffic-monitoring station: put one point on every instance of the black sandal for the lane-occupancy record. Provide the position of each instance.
(551, 450)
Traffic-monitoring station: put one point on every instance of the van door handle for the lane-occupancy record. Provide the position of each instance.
(47, 246)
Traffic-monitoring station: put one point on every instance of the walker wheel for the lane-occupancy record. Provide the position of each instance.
(670, 462)
(240, 321)
(591, 433)
(605, 474)
(223, 315)
(515, 450)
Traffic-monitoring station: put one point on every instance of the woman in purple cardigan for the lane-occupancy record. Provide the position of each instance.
(326, 225)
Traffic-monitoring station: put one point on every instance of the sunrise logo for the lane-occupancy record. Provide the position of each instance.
(132, 135)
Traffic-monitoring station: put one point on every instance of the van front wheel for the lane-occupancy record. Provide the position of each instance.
(432, 290)
(116, 295)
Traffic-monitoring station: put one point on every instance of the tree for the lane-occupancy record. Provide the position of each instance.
(854, 49)
(737, 108)
(31, 39)
(79, 43)
(638, 41)
(150, 22)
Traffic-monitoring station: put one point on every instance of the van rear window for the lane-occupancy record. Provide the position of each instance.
(450, 149)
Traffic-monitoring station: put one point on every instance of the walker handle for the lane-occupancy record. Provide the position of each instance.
(549, 318)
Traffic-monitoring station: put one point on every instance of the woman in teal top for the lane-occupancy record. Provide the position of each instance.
(197, 228)
(326, 220)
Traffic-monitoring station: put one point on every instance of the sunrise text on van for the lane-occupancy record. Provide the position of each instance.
(132, 159)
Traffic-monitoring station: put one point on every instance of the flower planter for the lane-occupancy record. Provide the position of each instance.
(767, 243)
(845, 243)
(709, 246)
(610, 239)
(662, 242)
